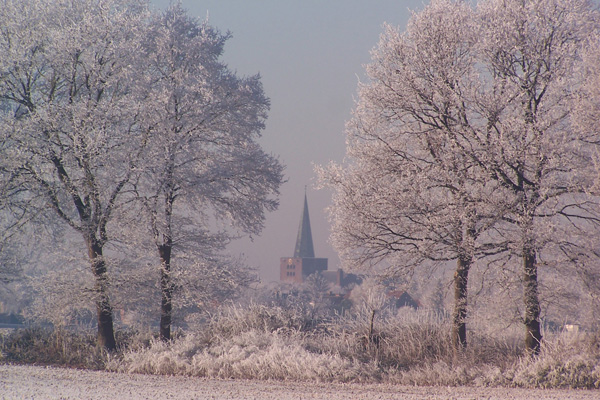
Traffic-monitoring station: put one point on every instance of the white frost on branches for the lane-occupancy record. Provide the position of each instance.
(124, 125)
(475, 139)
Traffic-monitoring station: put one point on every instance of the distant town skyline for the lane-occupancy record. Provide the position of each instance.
(310, 55)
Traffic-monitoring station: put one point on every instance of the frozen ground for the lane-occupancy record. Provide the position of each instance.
(26, 382)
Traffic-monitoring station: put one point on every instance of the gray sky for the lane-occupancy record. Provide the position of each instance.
(310, 55)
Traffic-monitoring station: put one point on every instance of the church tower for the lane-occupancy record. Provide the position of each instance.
(304, 242)
(304, 263)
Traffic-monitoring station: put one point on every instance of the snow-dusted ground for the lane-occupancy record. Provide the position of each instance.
(26, 382)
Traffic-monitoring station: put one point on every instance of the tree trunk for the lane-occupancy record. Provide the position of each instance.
(459, 316)
(371, 333)
(106, 335)
(533, 336)
(166, 288)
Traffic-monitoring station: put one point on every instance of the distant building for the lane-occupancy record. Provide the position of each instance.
(401, 298)
(294, 270)
(304, 263)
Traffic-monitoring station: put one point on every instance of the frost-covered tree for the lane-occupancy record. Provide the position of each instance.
(203, 166)
(70, 115)
(12, 219)
(529, 138)
(586, 118)
(409, 196)
(463, 145)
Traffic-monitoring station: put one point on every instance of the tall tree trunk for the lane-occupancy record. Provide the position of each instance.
(533, 335)
(459, 316)
(106, 335)
(166, 289)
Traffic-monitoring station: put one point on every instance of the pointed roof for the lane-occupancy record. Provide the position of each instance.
(304, 242)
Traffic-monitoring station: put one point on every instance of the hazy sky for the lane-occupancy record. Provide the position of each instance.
(310, 55)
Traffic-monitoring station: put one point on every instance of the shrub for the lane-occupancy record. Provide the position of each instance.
(250, 355)
(260, 342)
(46, 346)
(565, 361)
(61, 347)
(234, 320)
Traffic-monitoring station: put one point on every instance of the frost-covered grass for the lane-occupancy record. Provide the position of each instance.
(299, 356)
(249, 355)
(271, 343)
(62, 347)
(567, 361)
(259, 342)
(254, 343)
(51, 347)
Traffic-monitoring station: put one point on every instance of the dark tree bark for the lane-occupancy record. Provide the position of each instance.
(106, 336)
(165, 250)
(166, 289)
(533, 334)
(459, 316)
(94, 243)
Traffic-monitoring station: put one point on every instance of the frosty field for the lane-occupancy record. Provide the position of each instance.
(28, 382)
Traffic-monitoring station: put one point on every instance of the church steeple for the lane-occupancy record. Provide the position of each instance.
(304, 263)
(304, 242)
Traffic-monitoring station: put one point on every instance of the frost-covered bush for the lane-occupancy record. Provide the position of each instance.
(438, 373)
(47, 346)
(233, 320)
(261, 342)
(396, 342)
(278, 355)
(254, 342)
(273, 343)
(567, 361)
(252, 354)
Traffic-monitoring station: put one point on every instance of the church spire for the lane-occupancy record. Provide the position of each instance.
(304, 242)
